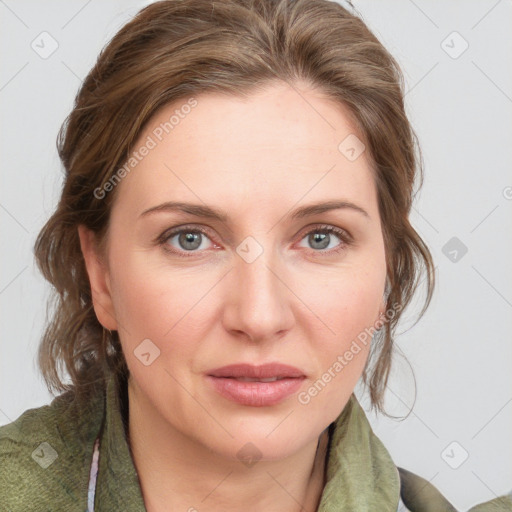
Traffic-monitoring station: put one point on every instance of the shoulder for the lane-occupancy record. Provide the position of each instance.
(418, 495)
(45, 455)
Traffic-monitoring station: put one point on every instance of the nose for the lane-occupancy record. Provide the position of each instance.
(257, 299)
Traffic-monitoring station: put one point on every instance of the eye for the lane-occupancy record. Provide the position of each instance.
(188, 241)
(321, 238)
(184, 240)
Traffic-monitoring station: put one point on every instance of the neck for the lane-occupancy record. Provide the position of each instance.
(178, 473)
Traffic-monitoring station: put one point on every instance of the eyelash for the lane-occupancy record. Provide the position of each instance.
(346, 239)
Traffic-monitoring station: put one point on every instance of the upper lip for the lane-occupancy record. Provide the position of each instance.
(264, 371)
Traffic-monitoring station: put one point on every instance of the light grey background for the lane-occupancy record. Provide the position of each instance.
(460, 104)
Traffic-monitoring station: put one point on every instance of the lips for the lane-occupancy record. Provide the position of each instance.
(256, 386)
(263, 373)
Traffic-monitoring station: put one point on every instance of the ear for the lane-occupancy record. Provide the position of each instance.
(99, 279)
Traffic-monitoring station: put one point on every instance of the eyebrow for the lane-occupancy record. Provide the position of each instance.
(208, 212)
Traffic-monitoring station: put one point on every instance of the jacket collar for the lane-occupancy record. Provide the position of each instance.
(360, 474)
(118, 486)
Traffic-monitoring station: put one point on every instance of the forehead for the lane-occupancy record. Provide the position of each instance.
(281, 141)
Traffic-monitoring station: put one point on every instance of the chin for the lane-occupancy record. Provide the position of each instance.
(266, 438)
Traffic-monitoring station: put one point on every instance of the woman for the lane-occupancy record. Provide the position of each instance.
(232, 253)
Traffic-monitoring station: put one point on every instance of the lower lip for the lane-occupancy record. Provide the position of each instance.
(255, 394)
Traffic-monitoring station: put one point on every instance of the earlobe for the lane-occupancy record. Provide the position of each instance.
(99, 279)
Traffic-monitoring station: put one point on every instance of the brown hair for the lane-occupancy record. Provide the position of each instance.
(173, 49)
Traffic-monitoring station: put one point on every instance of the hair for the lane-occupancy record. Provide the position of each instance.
(174, 49)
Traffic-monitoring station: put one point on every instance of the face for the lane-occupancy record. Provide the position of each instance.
(190, 293)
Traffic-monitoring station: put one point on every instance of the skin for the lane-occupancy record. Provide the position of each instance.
(257, 159)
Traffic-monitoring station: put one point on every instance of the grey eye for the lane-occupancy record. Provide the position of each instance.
(319, 240)
(188, 240)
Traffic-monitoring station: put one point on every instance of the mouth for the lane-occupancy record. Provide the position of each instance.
(256, 386)
(254, 379)
(264, 373)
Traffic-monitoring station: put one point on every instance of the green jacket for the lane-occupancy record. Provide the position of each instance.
(46, 457)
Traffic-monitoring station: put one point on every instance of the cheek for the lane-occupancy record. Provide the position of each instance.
(140, 307)
(149, 301)
(355, 309)
(347, 302)
(348, 305)
(159, 328)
